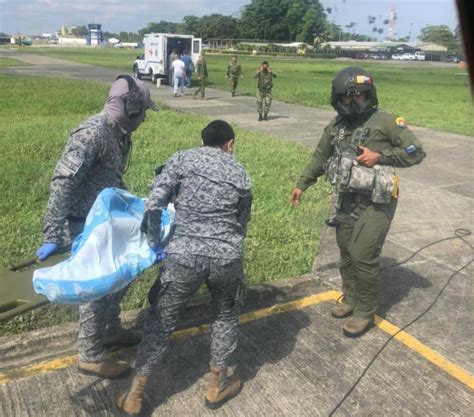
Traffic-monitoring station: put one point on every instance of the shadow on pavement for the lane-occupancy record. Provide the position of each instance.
(395, 285)
(184, 369)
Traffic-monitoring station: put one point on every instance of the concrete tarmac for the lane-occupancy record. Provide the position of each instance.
(295, 361)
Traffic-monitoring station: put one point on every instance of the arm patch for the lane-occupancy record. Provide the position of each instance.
(410, 149)
(68, 166)
(400, 121)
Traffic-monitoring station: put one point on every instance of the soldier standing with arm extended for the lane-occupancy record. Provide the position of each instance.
(95, 157)
(213, 201)
(234, 71)
(201, 69)
(358, 152)
(264, 76)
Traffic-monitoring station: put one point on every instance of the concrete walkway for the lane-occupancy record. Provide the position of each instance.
(297, 363)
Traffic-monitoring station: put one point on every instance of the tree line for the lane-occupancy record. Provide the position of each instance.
(284, 21)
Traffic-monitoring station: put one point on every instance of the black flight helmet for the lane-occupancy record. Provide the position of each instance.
(352, 81)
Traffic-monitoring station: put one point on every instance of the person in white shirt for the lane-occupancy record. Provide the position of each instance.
(179, 74)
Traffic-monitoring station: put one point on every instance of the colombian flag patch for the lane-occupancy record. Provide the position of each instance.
(363, 79)
(400, 121)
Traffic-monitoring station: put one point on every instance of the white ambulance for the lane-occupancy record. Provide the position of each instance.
(154, 63)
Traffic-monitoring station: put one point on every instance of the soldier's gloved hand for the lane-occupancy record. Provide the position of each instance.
(46, 250)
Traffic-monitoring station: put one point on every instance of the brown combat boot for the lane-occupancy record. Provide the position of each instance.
(123, 337)
(221, 388)
(109, 368)
(357, 326)
(340, 311)
(131, 401)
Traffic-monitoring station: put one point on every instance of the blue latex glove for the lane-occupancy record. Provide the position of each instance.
(46, 250)
(160, 253)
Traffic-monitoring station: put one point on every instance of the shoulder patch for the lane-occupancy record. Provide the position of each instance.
(400, 121)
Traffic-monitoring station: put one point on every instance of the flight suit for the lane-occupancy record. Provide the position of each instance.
(363, 225)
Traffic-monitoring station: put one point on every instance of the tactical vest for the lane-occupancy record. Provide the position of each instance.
(378, 183)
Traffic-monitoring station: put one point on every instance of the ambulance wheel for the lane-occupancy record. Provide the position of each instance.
(137, 73)
(154, 77)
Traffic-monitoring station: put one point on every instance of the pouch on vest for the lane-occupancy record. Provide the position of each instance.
(384, 184)
(361, 180)
(332, 170)
(345, 165)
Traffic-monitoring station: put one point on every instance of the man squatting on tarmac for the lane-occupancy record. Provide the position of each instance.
(213, 203)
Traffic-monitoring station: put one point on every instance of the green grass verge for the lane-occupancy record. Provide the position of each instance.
(9, 62)
(428, 96)
(281, 242)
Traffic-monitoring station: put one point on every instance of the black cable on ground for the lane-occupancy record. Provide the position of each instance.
(459, 234)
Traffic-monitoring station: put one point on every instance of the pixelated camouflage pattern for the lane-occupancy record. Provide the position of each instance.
(95, 157)
(264, 101)
(97, 320)
(179, 279)
(234, 70)
(265, 81)
(201, 67)
(213, 203)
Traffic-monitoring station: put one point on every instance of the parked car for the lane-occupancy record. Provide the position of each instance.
(361, 55)
(382, 57)
(453, 59)
(408, 56)
(397, 57)
(420, 56)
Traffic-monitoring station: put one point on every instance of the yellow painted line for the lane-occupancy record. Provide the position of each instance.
(403, 337)
(39, 369)
(429, 354)
(66, 361)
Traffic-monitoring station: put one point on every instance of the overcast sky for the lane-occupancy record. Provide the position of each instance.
(46, 16)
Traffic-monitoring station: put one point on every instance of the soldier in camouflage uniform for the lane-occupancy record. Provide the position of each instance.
(358, 152)
(95, 157)
(264, 76)
(234, 71)
(213, 202)
(201, 69)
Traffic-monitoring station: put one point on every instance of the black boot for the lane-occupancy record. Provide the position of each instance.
(260, 118)
(265, 117)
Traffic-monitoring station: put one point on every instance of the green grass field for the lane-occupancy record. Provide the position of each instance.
(8, 62)
(281, 242)
(428, 96)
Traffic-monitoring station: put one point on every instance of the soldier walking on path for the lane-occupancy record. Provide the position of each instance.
(234, 71)
(358, 152)
(95, 157)
(201, 70)
(264, 76)
(213, 202)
